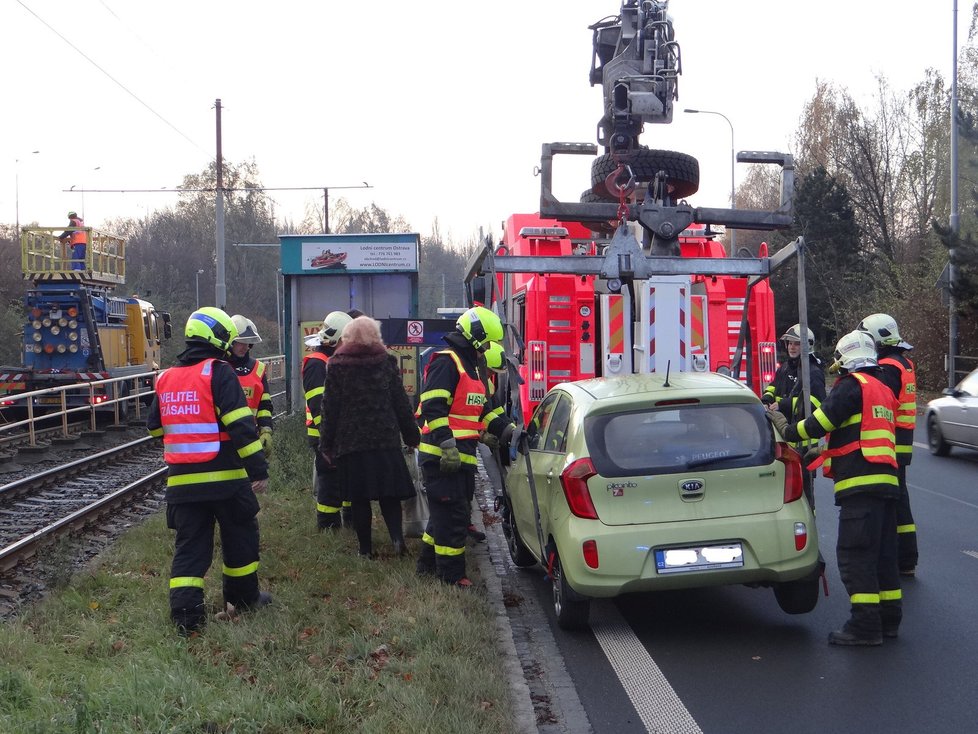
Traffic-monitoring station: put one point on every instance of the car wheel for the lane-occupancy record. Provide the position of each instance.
(572, 610)
(935, 439)
(682, 170)
(518, 551)
(798, 597)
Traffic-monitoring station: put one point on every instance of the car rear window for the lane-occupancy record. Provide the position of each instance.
(679, 438)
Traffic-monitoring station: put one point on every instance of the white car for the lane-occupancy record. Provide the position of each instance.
(953, 419)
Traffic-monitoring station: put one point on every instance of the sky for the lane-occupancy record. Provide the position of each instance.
(440, 107)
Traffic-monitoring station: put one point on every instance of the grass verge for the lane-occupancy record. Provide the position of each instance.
(349, 645)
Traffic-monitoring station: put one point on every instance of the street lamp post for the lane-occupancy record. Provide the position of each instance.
(733, 160)
(17, 192)
(199, 273)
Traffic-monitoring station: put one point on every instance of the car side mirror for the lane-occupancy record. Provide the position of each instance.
(951, 392)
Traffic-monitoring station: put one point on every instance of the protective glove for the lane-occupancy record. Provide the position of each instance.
(767, 398)
(451, 459)
(489, 440)
(778, 419)
(265, 437)
(811, 455)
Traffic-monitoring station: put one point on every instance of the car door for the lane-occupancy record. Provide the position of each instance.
(549, 461)
(536, 463)
(962, 417)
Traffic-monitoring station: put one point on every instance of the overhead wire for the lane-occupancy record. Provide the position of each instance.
(112, 78)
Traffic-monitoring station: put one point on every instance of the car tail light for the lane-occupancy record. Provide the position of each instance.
(793, 483)
(801, 536)
(574, 481)
(590, 549)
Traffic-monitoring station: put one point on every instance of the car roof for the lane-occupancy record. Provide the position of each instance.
(653, 387)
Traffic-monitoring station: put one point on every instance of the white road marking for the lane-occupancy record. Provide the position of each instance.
(658, 706)
(973, 554)
(918, 488)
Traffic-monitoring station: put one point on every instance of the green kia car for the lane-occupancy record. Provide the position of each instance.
(646, 482)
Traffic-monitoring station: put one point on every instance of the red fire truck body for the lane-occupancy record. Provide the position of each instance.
(568, 326)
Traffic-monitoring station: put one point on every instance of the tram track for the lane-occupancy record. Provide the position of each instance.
(82, 496)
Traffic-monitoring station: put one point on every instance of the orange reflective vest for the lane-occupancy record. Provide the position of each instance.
(871, 432)
(464, 413)
(906, 415)
(253, 386)
(325, 359)
(191, 433)
(78, 236)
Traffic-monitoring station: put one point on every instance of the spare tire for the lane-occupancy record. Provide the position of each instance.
(601, 226)
(682, 170)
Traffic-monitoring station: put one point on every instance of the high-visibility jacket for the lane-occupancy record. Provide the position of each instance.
(906, 415)
(313, 381)
(191, 434)
(78, 237)
(861, 451)
(467, 404)
(254, 383)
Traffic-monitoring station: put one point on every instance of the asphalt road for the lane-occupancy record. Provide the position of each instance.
(728, 660)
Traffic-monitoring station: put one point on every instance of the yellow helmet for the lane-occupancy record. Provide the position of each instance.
(480, 326)
(496, 357)
(211, 325)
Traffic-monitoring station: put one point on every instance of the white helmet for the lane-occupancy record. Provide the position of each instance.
(332, 328)
(855, 350)
(793, 334)
(883, 328)
(247, 331)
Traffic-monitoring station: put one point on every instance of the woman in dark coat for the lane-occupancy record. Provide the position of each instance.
(366, 415)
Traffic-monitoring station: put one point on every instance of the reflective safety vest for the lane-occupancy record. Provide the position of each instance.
(191, 433)
(78, 236)
(871, 432)
(309, 417)
(253, 386)
(906, 415)
(464, 413)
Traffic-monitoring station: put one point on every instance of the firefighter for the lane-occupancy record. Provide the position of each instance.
(254, 380)
(454, 402)
(786, 391)
(216, 467)
(858, 420)
(899, 375)
(77, 239)
(328, 504)
(495, 357)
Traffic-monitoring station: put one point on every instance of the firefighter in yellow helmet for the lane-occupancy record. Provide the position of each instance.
(900, 375)
(858, 419)
(323, 343)
(253, 379)
(215, 467)
(454, 402)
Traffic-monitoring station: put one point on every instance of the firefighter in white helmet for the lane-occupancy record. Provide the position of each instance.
(861, 458)
(323, 344)
(253, 379)
(899, 374)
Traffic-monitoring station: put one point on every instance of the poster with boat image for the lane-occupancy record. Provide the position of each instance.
(361, 255)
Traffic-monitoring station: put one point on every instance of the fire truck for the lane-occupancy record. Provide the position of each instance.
(76, 332)
(632, 278)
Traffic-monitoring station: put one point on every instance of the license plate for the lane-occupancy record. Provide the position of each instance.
(699, 558)
(49, 400)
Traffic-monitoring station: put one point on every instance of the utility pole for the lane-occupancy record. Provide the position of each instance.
(220, 286)
(952, 331)
(325, 211)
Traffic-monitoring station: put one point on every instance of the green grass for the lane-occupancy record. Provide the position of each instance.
(349, 645)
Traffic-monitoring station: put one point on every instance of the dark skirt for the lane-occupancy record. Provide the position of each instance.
(374, 475)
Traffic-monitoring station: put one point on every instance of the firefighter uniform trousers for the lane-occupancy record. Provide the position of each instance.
(194, 549)
(867, 556)
(328, 503)
(905, 525)
(449, 498)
